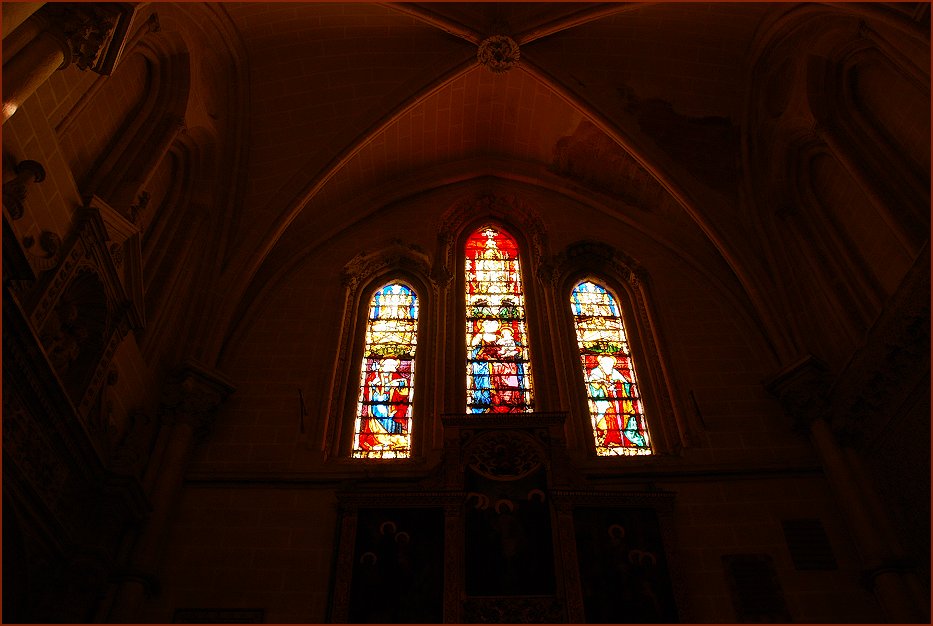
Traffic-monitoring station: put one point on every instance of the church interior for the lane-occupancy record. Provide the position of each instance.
(466, 312)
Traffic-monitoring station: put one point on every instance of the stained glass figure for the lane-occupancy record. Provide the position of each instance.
(615, 403)
(498, 369)
(383, 415)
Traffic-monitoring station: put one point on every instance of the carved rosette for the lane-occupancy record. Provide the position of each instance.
(498, 53)
(192, 397)
(503, 455)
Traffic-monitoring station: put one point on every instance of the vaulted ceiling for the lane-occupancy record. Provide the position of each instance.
(323, 113)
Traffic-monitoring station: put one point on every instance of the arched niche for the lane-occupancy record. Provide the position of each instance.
(88, 138)
(146, 131)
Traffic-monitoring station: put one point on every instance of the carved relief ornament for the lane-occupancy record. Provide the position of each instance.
(397, 256)
(498, 53)
(508, 208)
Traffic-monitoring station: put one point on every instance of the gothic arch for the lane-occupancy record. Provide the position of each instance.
(143, 139)
(362, 276)
(627, 280)
(176, 222)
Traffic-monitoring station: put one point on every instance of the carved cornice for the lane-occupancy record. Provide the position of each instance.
(192, 396)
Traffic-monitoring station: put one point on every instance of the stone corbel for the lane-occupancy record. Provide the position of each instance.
(802, 388)
(192, 397)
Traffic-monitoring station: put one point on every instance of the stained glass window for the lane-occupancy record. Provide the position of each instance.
(383, 414)
(615, 403)
(498, 369)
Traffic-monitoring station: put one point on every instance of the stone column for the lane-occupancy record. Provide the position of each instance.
(190, 401)
(803, 388)
(15, 13)
(88, 35)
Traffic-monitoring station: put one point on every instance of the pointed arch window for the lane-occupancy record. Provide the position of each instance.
(387, 375)
(498, 367)
(615, 405)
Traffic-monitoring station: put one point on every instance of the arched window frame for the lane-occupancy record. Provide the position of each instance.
(628, 284)
(363, 276)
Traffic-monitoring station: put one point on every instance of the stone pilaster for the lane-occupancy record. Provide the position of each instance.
(190, 401)
(803, 388)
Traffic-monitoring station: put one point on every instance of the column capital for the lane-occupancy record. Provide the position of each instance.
(92, 34)
(802, 388)
(192, 395)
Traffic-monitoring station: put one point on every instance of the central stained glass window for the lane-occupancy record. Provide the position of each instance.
(383, 416)
(498, 368)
